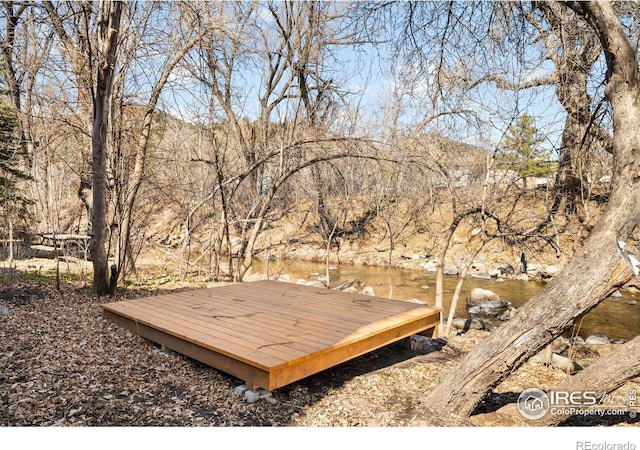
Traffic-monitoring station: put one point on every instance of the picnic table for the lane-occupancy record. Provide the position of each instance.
(65, 242)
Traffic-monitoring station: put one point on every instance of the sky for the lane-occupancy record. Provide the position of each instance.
(371, 79)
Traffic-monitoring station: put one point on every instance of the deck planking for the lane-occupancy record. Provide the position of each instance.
(270, 333)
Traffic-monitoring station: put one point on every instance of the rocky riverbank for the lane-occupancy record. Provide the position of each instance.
(486, 311)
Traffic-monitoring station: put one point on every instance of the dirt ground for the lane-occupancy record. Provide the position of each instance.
(63, 364)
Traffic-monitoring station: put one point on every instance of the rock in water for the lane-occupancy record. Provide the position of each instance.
(478, 295)
(483, 302)
(368, 290)
(597, 339)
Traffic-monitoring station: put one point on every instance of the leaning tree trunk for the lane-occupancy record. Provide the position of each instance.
(602, 377)
(109, 25)
(593, 274)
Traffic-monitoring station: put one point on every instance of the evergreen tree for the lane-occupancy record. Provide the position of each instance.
(13, 204)
(522, 150)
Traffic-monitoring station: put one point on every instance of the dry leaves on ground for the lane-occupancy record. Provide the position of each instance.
(63, 364)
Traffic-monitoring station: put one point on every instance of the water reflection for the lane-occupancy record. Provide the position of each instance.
(614, 317)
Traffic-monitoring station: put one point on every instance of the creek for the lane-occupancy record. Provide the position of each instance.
(614, 317)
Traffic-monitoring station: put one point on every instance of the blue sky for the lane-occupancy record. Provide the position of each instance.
(371, 78)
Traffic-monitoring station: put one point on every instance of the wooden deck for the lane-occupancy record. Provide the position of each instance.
(270, 333)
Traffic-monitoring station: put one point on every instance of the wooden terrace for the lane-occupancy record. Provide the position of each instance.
(270, 333)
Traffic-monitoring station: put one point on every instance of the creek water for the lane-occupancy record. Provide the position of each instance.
(614, 317)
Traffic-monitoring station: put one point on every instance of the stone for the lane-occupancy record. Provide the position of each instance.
(479, 295)
(616, 294)
(424, 286)
(534, 269)
(254, 396)
(430, 266)
(565, 364)
(597, 339)
(506, 269)
(632, 302)
(283, 277)
(551, 270)
(349, 290)
(508, 314)
(450, 271)
(310, 283)
(416, 301)
(240, 390)
(522, 277)
(577, 340)
(424, 345)
(368, 290)
(488, 311)
(481, 276)
(355, 283)
(485, 303)
(469, 324)
(4, 311)
(323, 279)
(557, 361)
(560, 344)
(479, 268)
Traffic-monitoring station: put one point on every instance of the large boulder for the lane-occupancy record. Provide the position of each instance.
(479, 296)
(485, 303)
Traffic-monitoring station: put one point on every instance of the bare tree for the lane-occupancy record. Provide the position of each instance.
(178, 48)
(109, 15)
(72, 23)
(287, 43)
(593, 274)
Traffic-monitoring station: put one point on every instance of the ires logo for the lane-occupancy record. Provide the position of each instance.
(535, 403)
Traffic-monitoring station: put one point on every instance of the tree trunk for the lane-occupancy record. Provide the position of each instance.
(108, 28)
(594, 273)
(602, 377)
(442, 254)
(125, 260)
(10, 243)
(247, 259)
(580, 51)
